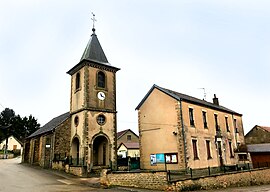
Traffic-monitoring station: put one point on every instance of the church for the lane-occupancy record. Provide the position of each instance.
(86, 136)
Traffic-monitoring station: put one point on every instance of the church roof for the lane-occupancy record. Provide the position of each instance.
(94, 54)
(94, 51)
(51, 125)
(190, 99)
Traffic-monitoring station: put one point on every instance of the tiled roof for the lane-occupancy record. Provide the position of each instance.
(121, 133)
(255, 148)
(265, 128)
(51, 125)
(94, 51)
(130, 145)
(256, 127)
(180, 96)
(94, 54)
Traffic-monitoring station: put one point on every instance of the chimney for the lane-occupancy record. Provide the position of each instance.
(215, 100)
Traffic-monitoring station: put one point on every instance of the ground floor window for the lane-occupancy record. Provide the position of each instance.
(195, 149)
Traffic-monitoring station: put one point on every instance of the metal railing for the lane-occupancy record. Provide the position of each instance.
(69, 160)
(190, 173)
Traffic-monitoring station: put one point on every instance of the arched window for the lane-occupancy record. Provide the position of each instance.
(78, 81)
(101, 79)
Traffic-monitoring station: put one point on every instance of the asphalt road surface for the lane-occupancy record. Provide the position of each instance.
(15, 176)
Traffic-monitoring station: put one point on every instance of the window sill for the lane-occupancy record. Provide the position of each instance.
(77, 90)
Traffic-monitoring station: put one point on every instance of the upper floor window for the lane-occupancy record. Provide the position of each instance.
(204, 119)
(76, 121)
(235, 126)
(191, 117)
(101, 79)
(227, 124)
(101, 119)
(78, 81)
(216, 122)
(129, 137)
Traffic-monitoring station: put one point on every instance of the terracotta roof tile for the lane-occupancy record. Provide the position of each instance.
(265, 128)
(130, 145)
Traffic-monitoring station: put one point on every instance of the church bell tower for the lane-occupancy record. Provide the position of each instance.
(93, 109)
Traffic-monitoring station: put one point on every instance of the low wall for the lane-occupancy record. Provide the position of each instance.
(246, 178)
(77, 170)
(59, 165)
(158, 180)
(146, 180)
(8, 156)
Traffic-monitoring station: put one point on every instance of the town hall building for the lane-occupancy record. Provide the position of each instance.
(183, 132)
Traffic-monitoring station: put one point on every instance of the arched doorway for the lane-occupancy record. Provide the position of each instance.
(75, 149)
(100, 151)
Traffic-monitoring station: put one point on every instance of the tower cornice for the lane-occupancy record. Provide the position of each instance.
(92, 63)
(93, 109)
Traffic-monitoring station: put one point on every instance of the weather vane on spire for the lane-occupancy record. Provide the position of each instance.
(94, 19)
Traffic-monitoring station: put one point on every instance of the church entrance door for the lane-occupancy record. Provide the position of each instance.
(75, 149)
(100, 151)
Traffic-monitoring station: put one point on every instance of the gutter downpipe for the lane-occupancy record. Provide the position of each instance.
(183, 133)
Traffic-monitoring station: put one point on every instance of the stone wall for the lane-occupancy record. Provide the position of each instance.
(59, 165)
(76, 170)
(8, 156)
(147, 180)
(247, 178)
(62, 138)
(158, 180)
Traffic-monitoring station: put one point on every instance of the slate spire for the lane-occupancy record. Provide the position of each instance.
(94, 51)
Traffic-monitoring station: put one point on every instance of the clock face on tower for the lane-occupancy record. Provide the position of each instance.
(101, 96)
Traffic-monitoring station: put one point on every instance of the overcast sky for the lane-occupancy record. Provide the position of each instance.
(222, 46)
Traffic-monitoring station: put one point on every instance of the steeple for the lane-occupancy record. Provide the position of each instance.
(93, 50)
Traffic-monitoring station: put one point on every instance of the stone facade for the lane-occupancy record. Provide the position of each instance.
(61, 139)
(192, 132)
(41, 149)
(258, 134)
(93, 109)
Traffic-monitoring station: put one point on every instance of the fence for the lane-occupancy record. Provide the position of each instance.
(196, 173)
(69, 160)
(130, 163)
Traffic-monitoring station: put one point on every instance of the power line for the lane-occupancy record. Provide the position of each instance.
(148, 123)
(2, 106)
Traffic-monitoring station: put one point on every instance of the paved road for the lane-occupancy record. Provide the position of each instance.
(23, 178)
(16, 177)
